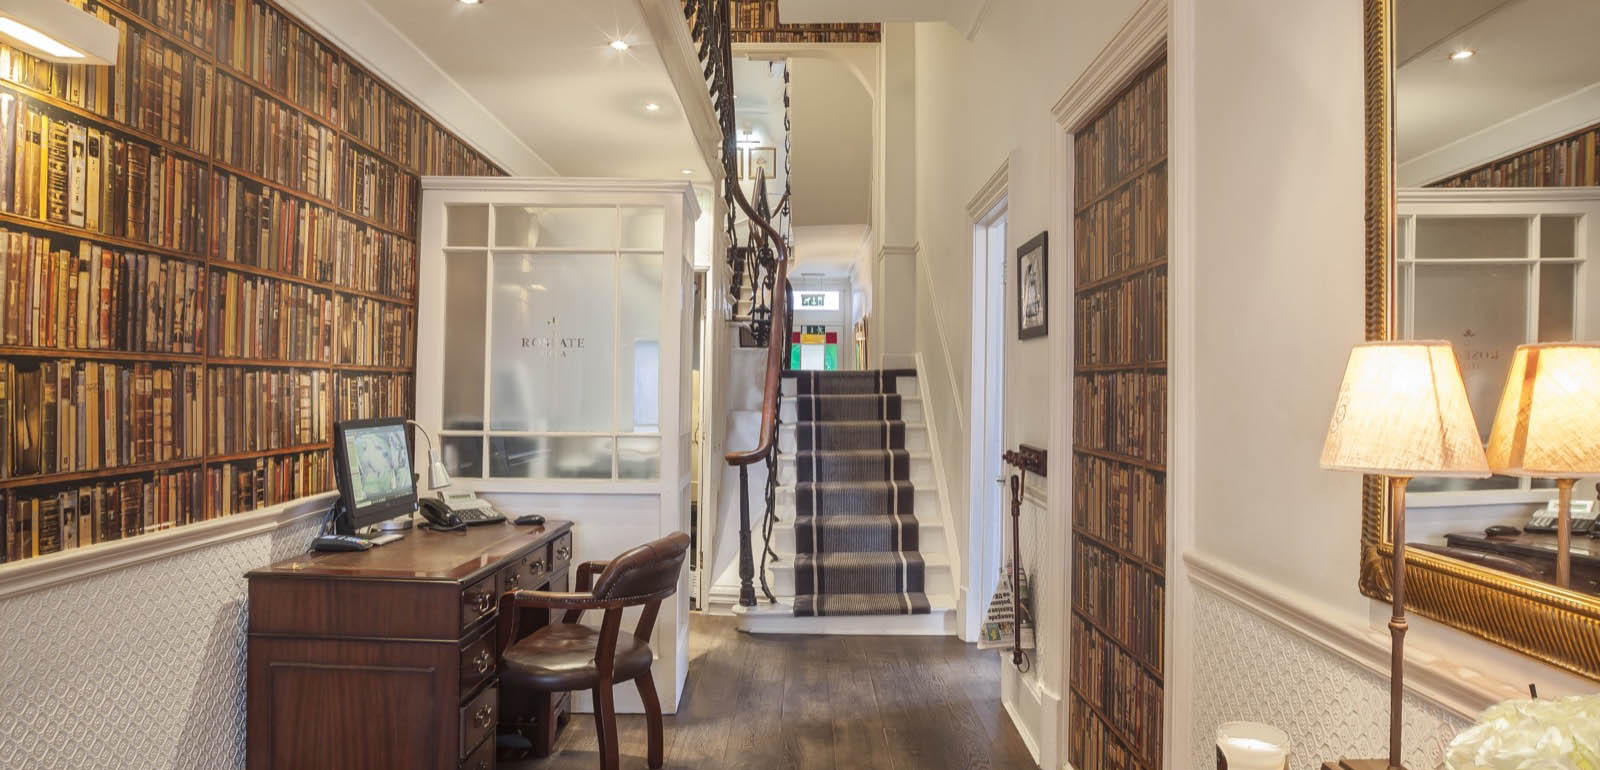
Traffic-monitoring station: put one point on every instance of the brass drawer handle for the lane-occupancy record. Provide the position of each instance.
(483, 764)
(483, 661)
(484, 716)
(482, 602)
(564, 552)
(537, 567)
(513, 580)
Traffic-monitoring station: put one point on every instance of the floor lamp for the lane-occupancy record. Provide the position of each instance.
(1548, 426)
(1402, 412)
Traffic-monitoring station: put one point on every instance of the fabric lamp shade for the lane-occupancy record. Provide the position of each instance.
(1548, 421)
(1403, 411)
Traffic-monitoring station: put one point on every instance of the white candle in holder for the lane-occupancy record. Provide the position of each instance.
(1251, 746)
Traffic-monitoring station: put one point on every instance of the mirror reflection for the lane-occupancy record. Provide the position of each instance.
(1497, 169)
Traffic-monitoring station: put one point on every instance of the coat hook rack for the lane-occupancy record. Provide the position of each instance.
(1026, 459)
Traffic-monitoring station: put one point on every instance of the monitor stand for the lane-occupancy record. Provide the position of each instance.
(397, 524)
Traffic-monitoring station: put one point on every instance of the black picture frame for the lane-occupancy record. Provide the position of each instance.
(1033, 289)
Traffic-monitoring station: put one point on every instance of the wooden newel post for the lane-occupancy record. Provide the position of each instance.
(747, 562)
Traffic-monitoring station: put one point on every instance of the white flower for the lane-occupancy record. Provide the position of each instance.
(1560, 734)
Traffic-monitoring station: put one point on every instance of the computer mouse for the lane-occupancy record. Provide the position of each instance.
(530, 518)
(1502, 530)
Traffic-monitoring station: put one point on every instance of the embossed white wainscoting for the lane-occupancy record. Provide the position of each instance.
(1253, 664)
(132, 654)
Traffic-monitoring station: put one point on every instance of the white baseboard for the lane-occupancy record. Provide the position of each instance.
(1036, 713)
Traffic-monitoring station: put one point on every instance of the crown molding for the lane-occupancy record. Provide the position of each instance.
(1139, 42)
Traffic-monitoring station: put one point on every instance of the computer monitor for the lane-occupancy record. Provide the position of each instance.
(372, 463)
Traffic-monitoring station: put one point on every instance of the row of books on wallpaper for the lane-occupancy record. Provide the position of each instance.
(1123, 231)
(1120, 690)
(1124, 323)
(1123, 413)
(1122, 505)
(1129, 136)
(38, 523)
(1121, 596)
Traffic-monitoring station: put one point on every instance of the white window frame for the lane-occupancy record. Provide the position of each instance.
(1530, 203)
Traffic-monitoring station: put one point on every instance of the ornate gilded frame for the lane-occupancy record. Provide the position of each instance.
(1557, 626)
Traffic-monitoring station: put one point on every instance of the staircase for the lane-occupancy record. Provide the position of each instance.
(860, 544)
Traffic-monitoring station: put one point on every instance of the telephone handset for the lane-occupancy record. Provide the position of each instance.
(439, 515)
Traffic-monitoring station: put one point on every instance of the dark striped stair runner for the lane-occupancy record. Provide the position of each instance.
(856, 549)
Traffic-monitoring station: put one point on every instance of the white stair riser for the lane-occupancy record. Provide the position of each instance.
(925, 500)
(905, 386)
(916, 439)
(930, 539)
(936, 579)
(910, 410)
(921, 471)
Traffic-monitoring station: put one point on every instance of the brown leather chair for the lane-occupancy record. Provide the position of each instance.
(566, 656)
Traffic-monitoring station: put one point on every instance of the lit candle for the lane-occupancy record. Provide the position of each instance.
(1252, 746)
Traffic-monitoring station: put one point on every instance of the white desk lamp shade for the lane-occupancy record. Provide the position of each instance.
(1548, 422)
(1403, 411)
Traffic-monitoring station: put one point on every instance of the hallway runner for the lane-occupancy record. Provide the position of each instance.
(856, 526)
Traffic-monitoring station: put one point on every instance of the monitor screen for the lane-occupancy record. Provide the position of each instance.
(373, 463)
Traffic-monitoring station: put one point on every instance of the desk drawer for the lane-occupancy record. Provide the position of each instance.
(515, 575)
(561, 552)
(482, 758)
(477, 661)
(478, 600)
(478, 719)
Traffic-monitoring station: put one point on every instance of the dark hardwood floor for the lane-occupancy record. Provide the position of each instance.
(819, 703)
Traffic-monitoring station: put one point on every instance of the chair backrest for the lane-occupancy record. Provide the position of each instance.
(648, 573)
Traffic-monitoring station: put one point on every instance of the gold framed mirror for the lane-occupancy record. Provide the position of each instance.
(1493, 599)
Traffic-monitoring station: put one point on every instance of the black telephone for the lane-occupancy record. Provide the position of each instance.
(439, 515)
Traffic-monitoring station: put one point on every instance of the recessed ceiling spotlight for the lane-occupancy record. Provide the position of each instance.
(688, 172)
(620, 45)
(470, 2)
(652, 107)
(1465, 53)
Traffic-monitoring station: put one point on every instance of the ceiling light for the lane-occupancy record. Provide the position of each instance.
(652, 107)
(58, 32)
(1465, 53)
(620, 45)
(470, 2)
(688, 172)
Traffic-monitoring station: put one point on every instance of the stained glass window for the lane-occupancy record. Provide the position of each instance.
(815, 348)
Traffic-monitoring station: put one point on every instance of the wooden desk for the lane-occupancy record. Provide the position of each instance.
(385, 659)
(1538, 550)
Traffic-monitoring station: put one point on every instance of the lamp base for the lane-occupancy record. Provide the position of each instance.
(1359, 764)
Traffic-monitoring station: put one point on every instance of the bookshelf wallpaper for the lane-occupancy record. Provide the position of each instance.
(756, 21)
(207, 256)
(1119, 529)
(1571, 161)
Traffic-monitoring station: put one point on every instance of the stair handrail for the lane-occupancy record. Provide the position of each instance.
(773, 381)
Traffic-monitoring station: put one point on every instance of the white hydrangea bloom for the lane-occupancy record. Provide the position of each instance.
(1544, 734)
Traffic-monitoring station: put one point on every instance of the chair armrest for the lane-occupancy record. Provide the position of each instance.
(587, 572)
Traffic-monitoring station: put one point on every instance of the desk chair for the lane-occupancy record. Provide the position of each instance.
(567, 656)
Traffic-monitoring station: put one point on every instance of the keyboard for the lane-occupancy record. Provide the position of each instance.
(385, 539)
(479, 516)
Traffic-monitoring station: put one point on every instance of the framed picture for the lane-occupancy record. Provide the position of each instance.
(762, 159)
(1033, 283)
(744, 163)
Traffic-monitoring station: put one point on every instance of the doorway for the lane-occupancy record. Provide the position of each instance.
(987, 477)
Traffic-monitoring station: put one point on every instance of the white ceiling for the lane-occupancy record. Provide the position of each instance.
(1529, 53)
(546, 70)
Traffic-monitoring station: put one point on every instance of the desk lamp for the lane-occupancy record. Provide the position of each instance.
(1548, 426)
(1402, 412)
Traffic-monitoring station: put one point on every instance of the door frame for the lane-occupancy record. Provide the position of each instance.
(984, 551)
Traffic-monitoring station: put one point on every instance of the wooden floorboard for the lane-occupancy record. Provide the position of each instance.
(762, 702)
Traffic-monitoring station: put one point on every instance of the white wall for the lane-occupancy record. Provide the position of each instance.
(832, 143)
(978, 103)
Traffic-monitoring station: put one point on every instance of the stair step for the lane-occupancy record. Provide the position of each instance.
(910, 410)
(916, 438)
(905, 385)
(921, 471)
(779, 618)
(925, 502)
(930, 538)
(936, 575)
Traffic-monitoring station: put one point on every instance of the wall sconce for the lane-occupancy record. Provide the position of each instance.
(55, 31)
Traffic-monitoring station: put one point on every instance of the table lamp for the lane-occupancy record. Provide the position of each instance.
(1402, 412)
(1548, 426)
